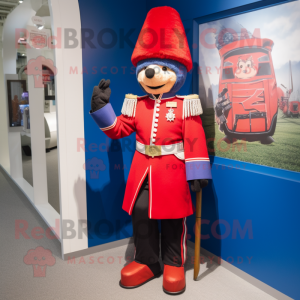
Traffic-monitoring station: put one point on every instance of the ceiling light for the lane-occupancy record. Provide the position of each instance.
(39, 22)
(20, 1)
(40, 27)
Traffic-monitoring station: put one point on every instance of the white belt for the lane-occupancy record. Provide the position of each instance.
(158, 150)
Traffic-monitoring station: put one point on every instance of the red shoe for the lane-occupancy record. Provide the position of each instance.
(174, 280)
(135, 275)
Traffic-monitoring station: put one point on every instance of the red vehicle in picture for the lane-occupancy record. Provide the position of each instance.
(247, 104)
(294, 108)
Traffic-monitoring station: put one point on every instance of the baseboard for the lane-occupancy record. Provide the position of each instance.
(98, 248)
(252, 280)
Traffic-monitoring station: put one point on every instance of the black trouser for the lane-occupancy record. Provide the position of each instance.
(146, 235)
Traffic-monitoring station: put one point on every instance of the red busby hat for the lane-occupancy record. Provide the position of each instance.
(163, 36)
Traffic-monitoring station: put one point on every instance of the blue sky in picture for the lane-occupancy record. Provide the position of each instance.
(280, 23)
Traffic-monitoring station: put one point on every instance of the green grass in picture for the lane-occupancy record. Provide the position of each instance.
(284, 153)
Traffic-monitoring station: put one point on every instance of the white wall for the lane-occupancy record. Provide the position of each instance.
(69, 106)
(17, 19)
(69, 103)
(4, 152)
(37, 131)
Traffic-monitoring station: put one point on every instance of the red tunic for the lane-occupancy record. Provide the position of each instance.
(169, 194)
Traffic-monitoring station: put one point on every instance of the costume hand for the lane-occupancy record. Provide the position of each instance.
(198, 184)
(101, 95)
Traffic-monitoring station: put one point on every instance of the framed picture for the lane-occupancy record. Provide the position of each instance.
(248, 80)
(17, 101)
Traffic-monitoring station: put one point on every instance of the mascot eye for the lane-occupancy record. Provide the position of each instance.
(241, 66)
(164, 68)
(248, 65)
(145, 68)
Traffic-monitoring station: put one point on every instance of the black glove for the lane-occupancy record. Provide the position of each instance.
(101, 94)
(198, 184)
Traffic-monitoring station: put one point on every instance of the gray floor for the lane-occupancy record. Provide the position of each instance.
(84, 279)
(52, 176)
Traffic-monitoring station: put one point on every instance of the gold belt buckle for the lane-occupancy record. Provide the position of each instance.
(153, 150)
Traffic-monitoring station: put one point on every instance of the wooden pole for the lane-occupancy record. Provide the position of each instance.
(197, 234)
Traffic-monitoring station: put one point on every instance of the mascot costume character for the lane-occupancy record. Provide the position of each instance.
(170, 151)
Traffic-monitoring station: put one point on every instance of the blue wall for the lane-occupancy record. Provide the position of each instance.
(263, 201)
(191, 9)
(105, 193)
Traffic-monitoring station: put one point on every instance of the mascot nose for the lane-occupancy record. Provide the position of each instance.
(149, 72)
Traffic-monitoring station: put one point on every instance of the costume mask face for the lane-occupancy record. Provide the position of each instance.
(157, 79)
